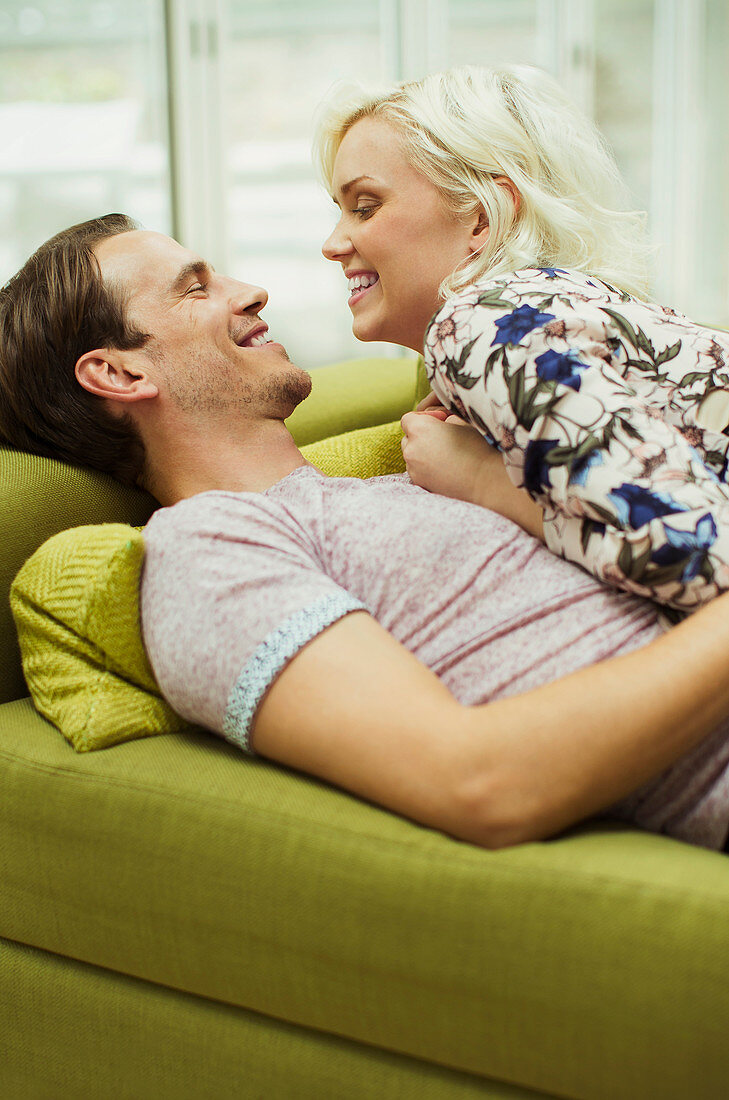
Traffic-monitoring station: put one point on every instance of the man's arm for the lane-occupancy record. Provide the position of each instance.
(354, 707)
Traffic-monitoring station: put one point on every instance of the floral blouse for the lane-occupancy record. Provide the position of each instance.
(612, 412)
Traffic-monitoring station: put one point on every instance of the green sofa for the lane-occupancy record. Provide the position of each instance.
(179, 921)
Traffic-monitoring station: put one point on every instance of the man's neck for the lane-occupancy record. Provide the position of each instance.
(235, 458)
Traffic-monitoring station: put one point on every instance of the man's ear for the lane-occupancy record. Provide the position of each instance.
(108, 373)
(481, 229)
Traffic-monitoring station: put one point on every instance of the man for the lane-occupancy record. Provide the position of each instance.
(405, 646)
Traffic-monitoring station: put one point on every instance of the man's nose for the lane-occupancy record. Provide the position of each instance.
(337, 245)
(244, 297)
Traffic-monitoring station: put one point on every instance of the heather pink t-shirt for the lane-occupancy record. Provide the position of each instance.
(234, 584)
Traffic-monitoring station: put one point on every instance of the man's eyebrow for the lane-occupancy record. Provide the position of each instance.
(348, 186)
(198, 268)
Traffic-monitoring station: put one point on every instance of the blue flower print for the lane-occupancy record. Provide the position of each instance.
(564, 367)
(581, 469)
(598, 432)
(691, 547)
(552, 272)
(636, 506)
(514, 326)
(536, 470)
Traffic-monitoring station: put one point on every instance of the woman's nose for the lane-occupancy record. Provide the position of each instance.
(337, 244)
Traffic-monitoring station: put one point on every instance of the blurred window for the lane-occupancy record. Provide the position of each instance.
(85, 104)
(280, 59)
(83, 118)
(655, 76)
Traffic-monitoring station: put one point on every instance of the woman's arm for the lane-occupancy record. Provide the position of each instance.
(624, 494)
(357, 709)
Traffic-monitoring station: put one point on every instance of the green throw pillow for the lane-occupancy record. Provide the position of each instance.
(366, 452)
(76, 609)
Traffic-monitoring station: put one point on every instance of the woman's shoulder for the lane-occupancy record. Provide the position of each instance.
(509, 306)
(568, 292)
(529, 290)
(549, 281)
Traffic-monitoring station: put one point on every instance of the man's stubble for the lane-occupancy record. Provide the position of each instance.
(225, 391)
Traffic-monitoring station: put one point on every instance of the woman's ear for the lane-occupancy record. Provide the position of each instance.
(510, 186)
(107, 373)
(480, 231)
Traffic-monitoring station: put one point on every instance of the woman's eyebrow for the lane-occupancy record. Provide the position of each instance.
(358, 179)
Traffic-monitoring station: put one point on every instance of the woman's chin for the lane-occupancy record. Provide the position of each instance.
(369, 330)
(365, 333)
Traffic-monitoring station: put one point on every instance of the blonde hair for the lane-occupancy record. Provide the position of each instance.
(465, 128)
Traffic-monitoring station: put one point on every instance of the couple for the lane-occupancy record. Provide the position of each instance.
(466, 686)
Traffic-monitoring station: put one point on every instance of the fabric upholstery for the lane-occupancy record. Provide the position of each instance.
(160, 1044)
(358, 394)
(367, 452)
(39, 497)
(565, 966)
(76, 607)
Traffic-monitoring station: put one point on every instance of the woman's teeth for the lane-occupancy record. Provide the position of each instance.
(361, 282)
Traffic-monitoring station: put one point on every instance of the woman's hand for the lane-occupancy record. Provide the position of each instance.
(445, 455)
(432, 405)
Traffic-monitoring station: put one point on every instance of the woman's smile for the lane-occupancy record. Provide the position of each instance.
(359, 284)
(396, 239)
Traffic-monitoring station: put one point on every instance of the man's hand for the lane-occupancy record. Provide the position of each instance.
(445, 455)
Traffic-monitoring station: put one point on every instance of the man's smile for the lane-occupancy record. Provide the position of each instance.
(254, 338)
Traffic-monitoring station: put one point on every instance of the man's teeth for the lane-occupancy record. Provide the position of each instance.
(359, 282)
(262, 338)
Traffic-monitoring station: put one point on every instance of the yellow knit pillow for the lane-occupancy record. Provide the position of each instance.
(76, 608)
(366, 452)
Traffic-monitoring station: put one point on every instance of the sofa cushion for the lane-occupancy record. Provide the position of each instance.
(76, 608)
(168, 1045)
(554, 965)
(367, 452)
(361, 393)
(38, 497)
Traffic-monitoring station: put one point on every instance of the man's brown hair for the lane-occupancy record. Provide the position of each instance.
(55, 309)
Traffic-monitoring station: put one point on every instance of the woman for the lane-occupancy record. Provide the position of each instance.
(489, 190)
